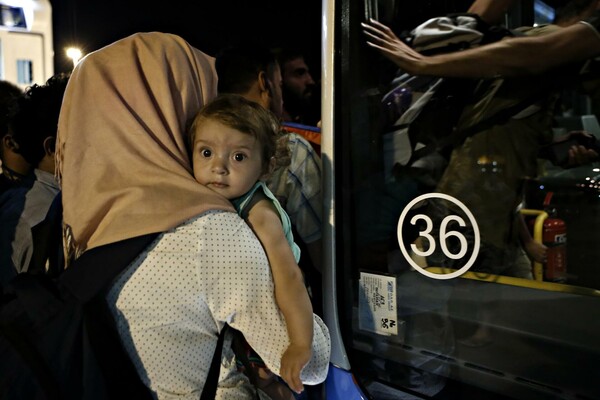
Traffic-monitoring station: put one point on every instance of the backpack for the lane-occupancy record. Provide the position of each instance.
(59, 341)
(422, 113)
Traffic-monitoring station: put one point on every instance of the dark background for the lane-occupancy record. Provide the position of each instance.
(207, 25)
(211, 25)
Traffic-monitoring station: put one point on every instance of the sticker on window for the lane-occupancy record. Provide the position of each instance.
(377, 304)
(448, 235)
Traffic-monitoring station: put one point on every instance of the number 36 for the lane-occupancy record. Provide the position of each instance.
(443, 236)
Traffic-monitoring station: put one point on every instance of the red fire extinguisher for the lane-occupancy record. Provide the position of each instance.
(554, 236)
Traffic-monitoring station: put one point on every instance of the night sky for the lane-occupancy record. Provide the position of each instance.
(207, 25)
(210, 25)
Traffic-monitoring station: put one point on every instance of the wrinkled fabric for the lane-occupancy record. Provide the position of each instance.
(297, 187)
(21, 209)
(121, 150)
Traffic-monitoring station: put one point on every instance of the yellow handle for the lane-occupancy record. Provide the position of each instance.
(538, 229)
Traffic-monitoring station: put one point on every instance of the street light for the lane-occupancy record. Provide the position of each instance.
(74, 54)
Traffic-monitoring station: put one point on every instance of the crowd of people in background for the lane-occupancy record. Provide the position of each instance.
(30, 139)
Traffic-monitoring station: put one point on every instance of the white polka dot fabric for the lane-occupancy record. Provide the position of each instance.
(173, 300)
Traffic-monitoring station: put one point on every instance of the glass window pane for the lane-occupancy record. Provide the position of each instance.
(479, 311)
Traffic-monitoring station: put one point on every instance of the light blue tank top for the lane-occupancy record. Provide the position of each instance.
(242, 202)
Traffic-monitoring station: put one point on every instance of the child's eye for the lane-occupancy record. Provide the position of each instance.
(206, 153)
(239, 157)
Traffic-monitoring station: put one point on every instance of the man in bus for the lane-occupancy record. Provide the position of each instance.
(511, 144)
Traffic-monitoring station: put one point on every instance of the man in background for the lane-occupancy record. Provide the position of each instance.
(24, 244)
(301, 98)
(253, 72)
(14, 166)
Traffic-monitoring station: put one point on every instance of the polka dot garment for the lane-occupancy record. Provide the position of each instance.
(173, 300)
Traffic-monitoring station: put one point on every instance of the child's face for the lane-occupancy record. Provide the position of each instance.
(226, 160)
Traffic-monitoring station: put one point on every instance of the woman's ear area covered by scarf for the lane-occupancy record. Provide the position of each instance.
(121, 150)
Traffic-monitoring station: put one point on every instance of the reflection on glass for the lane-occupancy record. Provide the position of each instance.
(523, 322)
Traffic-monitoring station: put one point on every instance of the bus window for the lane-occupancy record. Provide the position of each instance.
(435, 295)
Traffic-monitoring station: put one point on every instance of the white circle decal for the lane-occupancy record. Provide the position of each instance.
(444, 234)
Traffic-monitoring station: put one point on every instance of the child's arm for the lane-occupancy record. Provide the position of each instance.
(290, 293)
(535, 250)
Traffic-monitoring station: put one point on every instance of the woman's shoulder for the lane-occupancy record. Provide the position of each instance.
(210, 227)
(206, 220)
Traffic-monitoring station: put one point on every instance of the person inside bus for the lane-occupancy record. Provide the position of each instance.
(24, 208)
(206, 268)
(253, 71)
(486, 170)
(505, 59)
(14, 166)
(510, 57)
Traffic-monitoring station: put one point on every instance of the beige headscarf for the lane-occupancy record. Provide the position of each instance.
(121, 153)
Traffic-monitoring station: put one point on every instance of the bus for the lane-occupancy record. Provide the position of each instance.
(26, 42)
(403, 327)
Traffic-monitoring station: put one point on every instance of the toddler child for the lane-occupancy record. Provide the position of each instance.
(234, 147)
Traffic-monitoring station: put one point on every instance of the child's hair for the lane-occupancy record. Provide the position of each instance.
(248, 117)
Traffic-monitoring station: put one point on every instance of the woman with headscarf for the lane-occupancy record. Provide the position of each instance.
(125, 172)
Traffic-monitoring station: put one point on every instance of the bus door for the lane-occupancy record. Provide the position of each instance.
(429, 291)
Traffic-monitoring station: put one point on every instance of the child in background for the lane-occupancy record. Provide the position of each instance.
(233, 143)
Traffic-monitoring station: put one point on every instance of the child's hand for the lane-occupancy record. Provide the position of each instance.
(292, 362)
(536, 251)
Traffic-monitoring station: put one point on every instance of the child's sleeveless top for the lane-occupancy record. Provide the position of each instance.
(242, 202)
